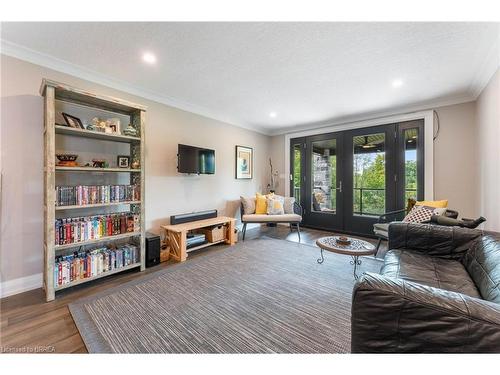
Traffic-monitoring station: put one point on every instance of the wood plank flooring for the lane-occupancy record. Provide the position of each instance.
(27, 322)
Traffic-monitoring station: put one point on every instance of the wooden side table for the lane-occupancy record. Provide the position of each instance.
(175, 236)
(355, 249)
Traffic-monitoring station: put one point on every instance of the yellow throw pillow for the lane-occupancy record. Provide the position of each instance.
(261, 203)
(436, 204)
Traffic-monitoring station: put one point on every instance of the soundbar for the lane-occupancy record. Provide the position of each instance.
(193, 216)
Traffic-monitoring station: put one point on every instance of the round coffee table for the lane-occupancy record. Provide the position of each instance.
(355, 249)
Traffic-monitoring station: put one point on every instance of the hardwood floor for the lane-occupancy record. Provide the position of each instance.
(29, 324)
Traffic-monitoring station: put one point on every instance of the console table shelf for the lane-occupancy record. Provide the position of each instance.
(84, 140)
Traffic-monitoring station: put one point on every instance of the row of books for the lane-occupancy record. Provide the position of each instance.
(85, 264)
(82, 195)
(79, 229)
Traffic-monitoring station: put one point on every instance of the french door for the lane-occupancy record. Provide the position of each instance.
(345, 180)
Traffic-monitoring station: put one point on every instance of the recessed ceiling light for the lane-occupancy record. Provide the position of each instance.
(273, 114)
(397, 83)
(149, 58)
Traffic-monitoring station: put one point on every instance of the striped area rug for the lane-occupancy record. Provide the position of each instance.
(260, 296)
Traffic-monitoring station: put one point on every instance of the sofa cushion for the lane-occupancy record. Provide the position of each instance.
(286, 218)
(431, 271)
(483, 263)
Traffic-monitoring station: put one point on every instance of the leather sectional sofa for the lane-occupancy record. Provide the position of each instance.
(438, 291)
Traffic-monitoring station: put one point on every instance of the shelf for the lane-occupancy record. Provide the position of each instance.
(66, 130)
(204, 245)
(96, 170)
(102, 239)
(75, 207)
(104, 274)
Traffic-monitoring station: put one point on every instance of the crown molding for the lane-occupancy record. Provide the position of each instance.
(488, 68)
(26, 54)
(423, 106)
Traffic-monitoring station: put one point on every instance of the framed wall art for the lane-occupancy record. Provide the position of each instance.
(244, 163)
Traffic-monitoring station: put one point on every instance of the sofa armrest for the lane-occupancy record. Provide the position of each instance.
(434, 240)
(395, 315)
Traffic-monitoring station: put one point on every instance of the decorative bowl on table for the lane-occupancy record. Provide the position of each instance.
(344, 241)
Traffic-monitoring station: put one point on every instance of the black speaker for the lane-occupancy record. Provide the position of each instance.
(152, 249)
(193, 216)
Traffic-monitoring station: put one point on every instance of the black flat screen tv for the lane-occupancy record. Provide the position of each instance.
(195, 160)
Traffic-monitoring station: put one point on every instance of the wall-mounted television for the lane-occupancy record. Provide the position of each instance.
(195, 160)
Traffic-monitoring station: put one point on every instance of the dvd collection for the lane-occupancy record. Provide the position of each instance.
(82, 195)
(79, 229)
(84, 264)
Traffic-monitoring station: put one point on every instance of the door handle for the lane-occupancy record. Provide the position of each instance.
(340, 187)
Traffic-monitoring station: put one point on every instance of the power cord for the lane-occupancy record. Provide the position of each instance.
(436, 116)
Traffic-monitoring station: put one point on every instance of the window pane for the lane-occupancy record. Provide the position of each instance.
(297, 156)
(411, 139)
(324, 176)
(369, 174)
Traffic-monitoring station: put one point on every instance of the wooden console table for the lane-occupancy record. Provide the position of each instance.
(175, 236)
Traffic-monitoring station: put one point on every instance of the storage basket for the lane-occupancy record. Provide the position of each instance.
(215, 233)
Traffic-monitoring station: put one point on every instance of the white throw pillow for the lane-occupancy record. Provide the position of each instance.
(275, 205)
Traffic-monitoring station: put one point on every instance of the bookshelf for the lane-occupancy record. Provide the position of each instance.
(56, 136)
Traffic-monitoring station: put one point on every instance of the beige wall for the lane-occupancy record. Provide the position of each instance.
(455, 164)
(488, 152)
(167, 192)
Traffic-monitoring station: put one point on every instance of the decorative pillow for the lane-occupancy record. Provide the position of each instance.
(248, 205)
(419, 214)
(438, 211)
(275, 205)
(260, 204)
(288, 205)
(436, 204)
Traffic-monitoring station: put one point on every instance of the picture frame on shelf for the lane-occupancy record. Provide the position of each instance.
(72, 121)
(244, 163)
(123, 161)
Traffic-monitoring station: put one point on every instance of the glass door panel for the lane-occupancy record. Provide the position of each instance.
(323, 193)
(324, 176)
(369, 174)
(296, 171)
(410, 164)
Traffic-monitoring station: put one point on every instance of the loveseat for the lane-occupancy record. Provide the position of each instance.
(292, 219)
(438, 291)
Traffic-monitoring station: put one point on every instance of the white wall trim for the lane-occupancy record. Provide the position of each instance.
(22, 284)
(26, 54)
(427, 116)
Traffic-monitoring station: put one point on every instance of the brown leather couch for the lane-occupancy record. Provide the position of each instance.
(438, 291)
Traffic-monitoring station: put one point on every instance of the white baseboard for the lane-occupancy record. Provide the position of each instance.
(22, 284)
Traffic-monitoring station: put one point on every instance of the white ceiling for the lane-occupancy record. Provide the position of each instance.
(308, 73)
